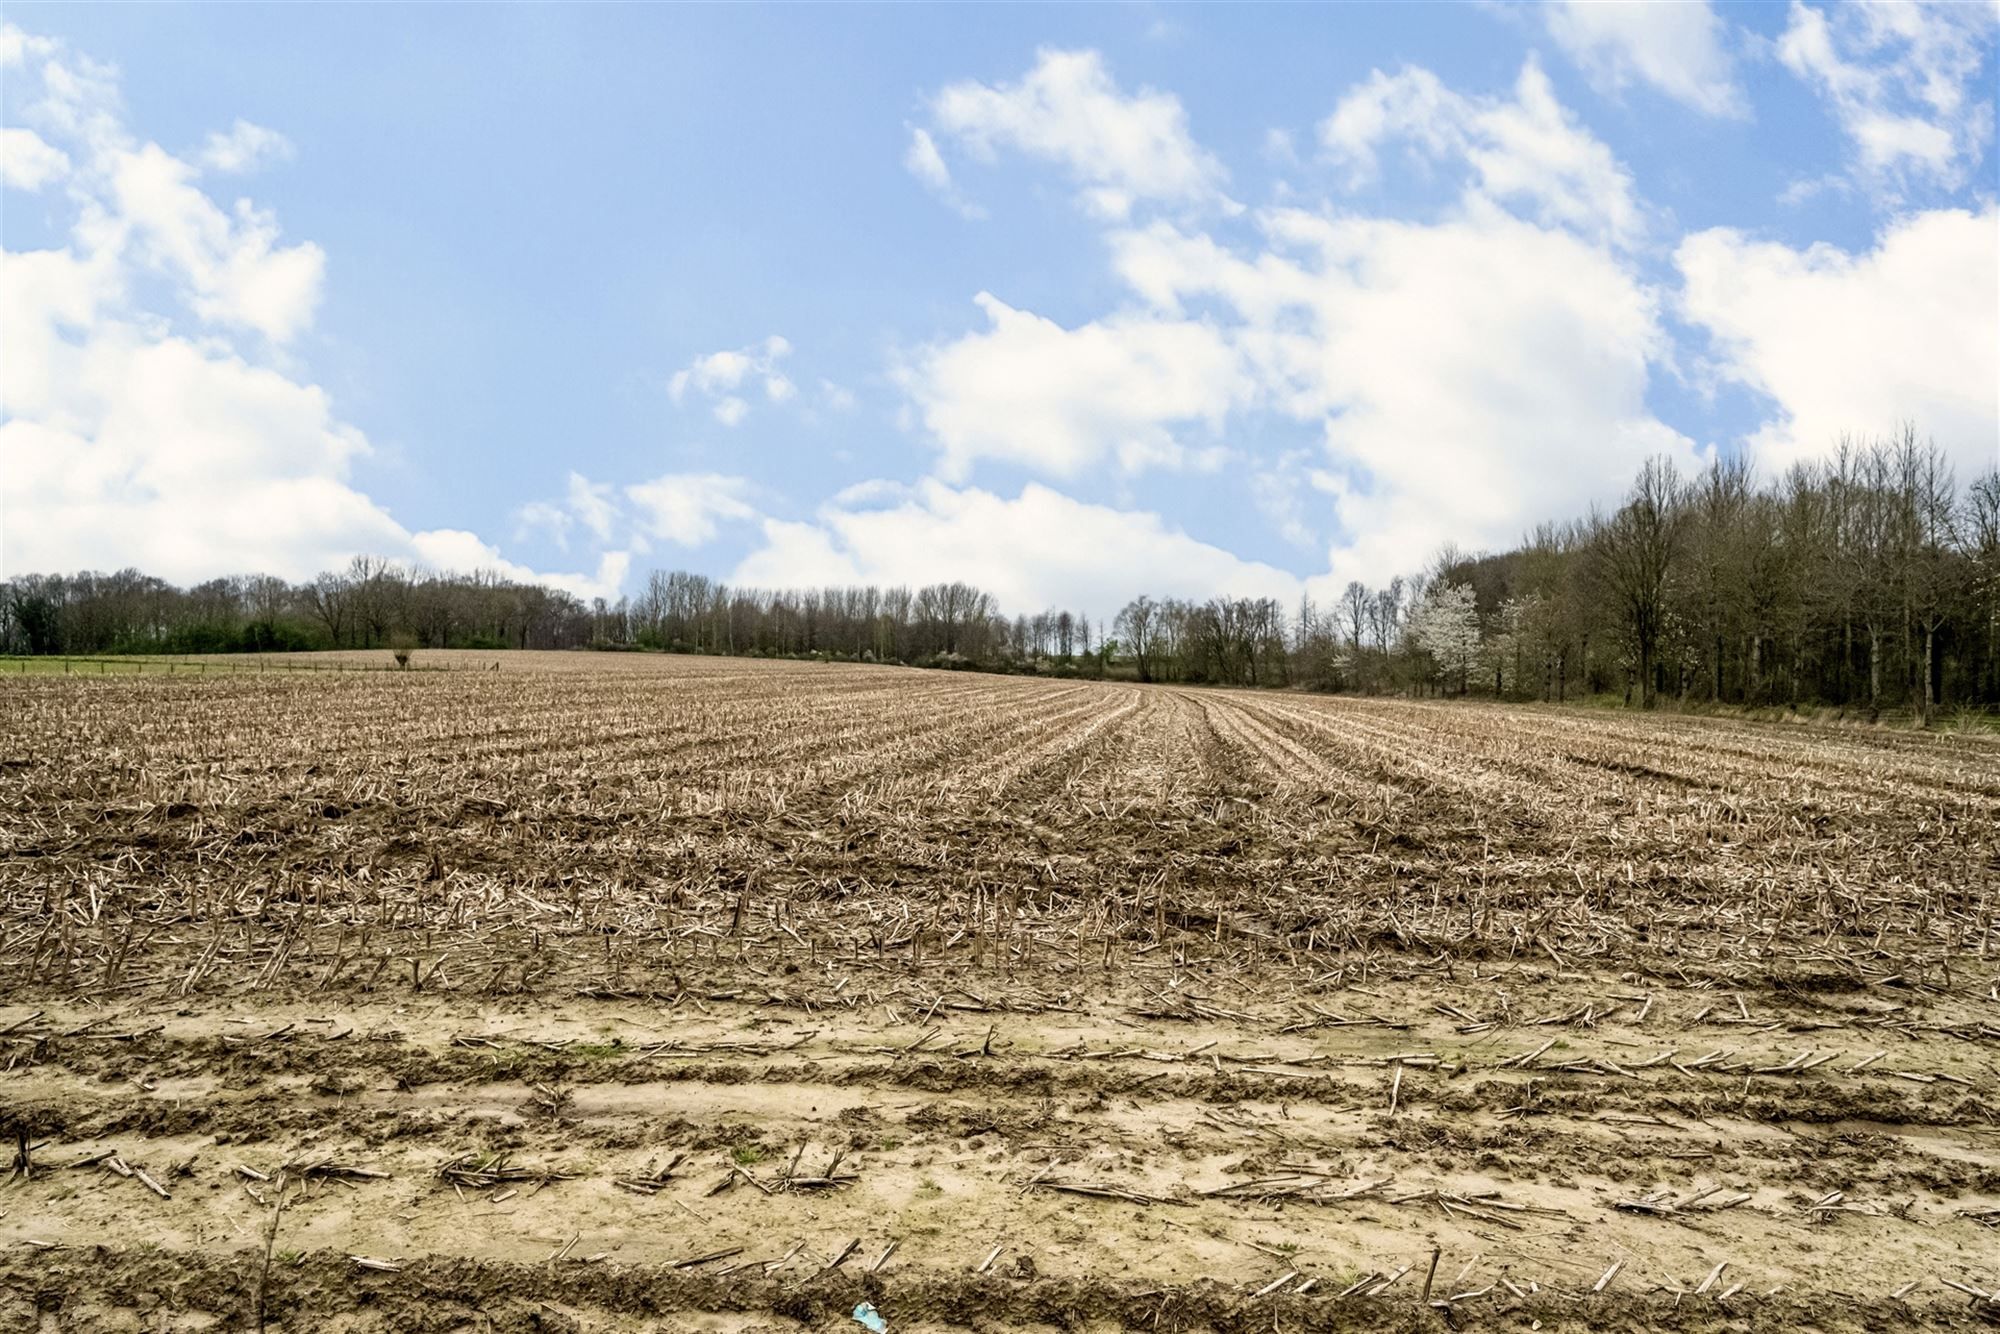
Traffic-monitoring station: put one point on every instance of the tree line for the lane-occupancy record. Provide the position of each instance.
(372, 603)
(1870, 580)
(377, 603)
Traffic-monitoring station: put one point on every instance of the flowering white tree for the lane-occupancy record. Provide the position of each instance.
(1446, 625)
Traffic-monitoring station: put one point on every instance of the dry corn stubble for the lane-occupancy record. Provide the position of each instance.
(639, 985)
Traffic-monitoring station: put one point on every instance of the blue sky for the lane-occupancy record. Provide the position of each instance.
(1072, 302)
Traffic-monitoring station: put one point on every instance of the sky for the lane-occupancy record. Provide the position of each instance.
(1069, 303)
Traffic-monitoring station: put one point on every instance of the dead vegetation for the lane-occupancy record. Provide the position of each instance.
(988, 997)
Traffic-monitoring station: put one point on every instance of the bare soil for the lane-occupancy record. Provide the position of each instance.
(605, 993)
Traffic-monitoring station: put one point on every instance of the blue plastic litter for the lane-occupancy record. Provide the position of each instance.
(871, 1318)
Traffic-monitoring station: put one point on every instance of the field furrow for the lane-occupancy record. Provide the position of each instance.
(675, 993)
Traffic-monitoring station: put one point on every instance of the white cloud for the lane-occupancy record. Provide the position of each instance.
(27, 161)
(1121, 149)
(128, 448)
(546, 517)
(1282, 490)
(139, 201)
(1469, 378)
(1808, 188)
(1678, 48)
(1903, 79)
(1848, 343)
(689, 509)
(78, 96)
(685, 509)
(234, 271)
(17, 48)
(711, 372)
(593, 506)
(717, 376)
(838, 398)
(1526, 150)
(1028, 391)
(1038, 549)
(923, 161)
(245, 148)
(132, 438)
(455, 549)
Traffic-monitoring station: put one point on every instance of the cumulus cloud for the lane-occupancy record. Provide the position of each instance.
(1121, 149)
(129, 448)
(1283, 490)
(1525, 150)
(689, 509)
(233, 270)
(1026, 390)
(923, 161)
(591, 506)
(456, 549)
(1904, 81)
(140, 201)
(1857, 343)
(17, 48)
(1468, 377)
(544, 518)
(724, 379)
(1679, 49)
(159, 435)
(1039, 548)
(245, 147)
(682, 508)
(27, 161)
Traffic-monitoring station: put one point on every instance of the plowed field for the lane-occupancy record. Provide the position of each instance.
(607, 993)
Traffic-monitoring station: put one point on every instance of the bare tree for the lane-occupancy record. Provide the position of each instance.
(1136, 627)
(327, 596)
(1980, 532)
(1932, 576)
(1637, 549)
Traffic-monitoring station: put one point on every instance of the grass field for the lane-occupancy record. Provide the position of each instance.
(605, 992)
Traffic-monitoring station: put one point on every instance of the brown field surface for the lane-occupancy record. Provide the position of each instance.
(615, 993)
